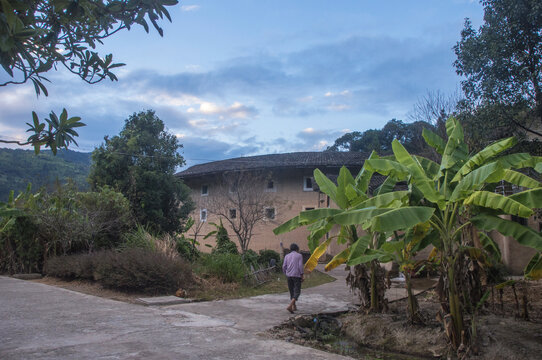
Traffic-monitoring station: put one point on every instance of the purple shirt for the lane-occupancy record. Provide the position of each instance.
(293, 264)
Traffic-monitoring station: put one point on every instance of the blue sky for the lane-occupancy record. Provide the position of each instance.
(238, 78)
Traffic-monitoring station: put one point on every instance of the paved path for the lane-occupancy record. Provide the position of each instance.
(38, 321)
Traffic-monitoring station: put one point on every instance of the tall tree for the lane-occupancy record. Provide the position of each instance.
(502, 60)
(39, 35)
(140, 162)
(409, 134)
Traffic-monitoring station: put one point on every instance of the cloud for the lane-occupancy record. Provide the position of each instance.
(187, 8)
(234, 111)
(317, 139)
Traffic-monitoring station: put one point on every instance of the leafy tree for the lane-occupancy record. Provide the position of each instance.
(502, 60)
(140, 162)
(39, 35)
(409, 134)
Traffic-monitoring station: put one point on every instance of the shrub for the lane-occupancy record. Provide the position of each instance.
(250, 258)
(140, 270)
(226, 267)
(130, 270)
(266, 256)
(223, 243)
(71, 267)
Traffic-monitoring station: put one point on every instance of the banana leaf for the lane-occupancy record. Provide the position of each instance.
(498, 202)
(433, 140)
(483, 156)
(326, 186)
(344, 179)
(401, 218)
(418, 176)
(364, 176)
(523, 234)
(316, 254)
(386, 200)
(338, 259)
(475, 179)
(370, 256)
(533, 270)
(531, 198)
(388, 168)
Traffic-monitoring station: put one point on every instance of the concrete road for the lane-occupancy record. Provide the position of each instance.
(38, 321)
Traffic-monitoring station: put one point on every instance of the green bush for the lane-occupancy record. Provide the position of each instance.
(223, 243)
(140, 270)
(138, 238)
(266, 256)
(250, 258)
(226, 267)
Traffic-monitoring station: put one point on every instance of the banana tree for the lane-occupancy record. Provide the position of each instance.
(356, 211)
(460, 193)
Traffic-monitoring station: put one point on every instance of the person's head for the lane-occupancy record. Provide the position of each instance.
(294, 247)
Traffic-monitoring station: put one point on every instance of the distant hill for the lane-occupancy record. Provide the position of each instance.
(19, 167)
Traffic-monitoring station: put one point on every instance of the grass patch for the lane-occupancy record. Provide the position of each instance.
(214, 289)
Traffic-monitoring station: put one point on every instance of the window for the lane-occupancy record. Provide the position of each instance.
(270, 186)
(233, 213)
(307, 183)
(269, 213)
(203, 215)
(307, 208)
(204, 190)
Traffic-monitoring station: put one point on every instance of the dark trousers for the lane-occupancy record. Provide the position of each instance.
(294, 285)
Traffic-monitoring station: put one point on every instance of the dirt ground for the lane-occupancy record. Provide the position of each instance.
(501, 333)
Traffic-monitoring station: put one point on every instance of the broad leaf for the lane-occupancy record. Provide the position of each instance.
(523, 234)
(484, 155)
(360, 246)
(386, 200)
(310, 216)
(344, 180)
(418, 176)
(358, 217)
(498, 202)
(475, 179)
(519, 179)
(533, 270)
(531, 198)
(401, 219)
(289, 225)
(388, 168)
(338, 259)
(326, 186)
(433, 140)
(370, 256)
(364, 176)
(316, 254)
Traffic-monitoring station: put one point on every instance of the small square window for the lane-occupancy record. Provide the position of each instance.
(233, 213)
(269, 213)
(270, 186)
(307, 183)
(204, 190)
(203, 215)
(307, 208)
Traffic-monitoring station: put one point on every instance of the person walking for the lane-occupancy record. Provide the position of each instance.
(293, 269)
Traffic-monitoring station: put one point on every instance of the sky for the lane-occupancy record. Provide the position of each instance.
(240, 78)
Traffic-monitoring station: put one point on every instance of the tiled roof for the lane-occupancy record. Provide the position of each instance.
(273, 161)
